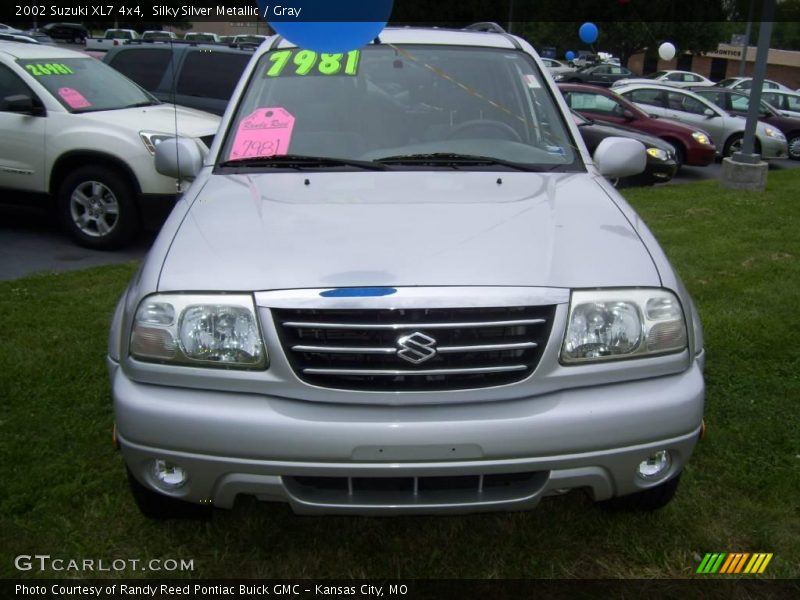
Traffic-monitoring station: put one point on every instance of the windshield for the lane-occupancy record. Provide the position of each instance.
(86, 84)
(655, 75)
(395, 103)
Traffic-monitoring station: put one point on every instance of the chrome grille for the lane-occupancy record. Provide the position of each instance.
(363, 349)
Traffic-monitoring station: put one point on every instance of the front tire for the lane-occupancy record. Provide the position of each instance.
(794, 145)
(647, 500)
(97, 207)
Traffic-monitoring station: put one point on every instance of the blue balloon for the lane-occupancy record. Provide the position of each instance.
(588, 33)
(570, 55)
(325, 26)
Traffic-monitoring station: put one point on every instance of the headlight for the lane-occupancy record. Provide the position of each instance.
(658, 153)
(200, 330)
(701, 138)
(614, 324)
(773, 133)
(151, 139)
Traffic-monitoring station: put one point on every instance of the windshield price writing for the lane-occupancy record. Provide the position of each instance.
(39, 69)
(308, 62)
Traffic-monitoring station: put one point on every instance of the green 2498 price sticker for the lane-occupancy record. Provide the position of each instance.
(40, 69)
(308, 62)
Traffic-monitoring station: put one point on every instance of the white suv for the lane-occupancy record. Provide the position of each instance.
(80, 135)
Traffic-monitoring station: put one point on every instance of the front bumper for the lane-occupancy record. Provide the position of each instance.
(773, 148)
(701, 155)
(326, 458)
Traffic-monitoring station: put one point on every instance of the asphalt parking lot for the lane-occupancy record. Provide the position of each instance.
(31, 241)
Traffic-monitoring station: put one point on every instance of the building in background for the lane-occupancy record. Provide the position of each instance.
(782, 65)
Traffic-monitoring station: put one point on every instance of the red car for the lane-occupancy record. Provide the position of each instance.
(692, 146)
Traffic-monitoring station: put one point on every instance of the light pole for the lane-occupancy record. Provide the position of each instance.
(745, 170)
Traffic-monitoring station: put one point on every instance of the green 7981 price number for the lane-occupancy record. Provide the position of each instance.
(308, 62)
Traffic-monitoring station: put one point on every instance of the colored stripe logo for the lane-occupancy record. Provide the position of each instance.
(734, 563)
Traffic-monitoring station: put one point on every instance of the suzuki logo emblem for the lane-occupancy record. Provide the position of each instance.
(416, 348)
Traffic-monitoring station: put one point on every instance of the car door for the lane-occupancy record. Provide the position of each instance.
(675, 79)
(22, 150)
(791, 104)
(688, 109)
(650, 100)
(600, 75)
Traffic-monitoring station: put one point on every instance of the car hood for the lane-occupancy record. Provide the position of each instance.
(318, 230)
(160, 118)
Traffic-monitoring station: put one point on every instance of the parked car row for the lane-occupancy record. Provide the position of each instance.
(726, 130)
(692, 146)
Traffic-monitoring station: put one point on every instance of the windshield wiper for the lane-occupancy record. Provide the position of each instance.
(144, 103)
(300, 161)
(454, 160)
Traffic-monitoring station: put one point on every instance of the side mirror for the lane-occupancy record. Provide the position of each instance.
(709, 113)
(179, 158)
(628, 114)
(22, 104)
(620, 157)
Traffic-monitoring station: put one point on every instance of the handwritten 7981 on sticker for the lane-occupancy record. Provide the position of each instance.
(264, 132)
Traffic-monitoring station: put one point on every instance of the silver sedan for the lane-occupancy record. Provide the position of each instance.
(726, 130)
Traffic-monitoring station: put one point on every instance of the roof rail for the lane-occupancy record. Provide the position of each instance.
(485, 26)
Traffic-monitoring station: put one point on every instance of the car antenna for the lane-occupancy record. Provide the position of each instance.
(175, 116)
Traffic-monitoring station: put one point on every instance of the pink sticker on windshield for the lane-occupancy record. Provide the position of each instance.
(264, 132)
(73, 98)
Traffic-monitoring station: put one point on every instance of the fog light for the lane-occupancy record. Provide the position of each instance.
(168, 476)
(655, 465)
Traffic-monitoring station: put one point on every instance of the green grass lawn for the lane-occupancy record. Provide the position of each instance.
(64, 491)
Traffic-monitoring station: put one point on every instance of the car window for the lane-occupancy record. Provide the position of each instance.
(717, 98)
(773, 99)
(684, 103)
(145, 66)
(739, 103)
(86, 84)
(744, 85)
(675, 77)
(596, 103)
(651, 97)
(11, 84)
(211, 74)
(385, 101)
(616, 70)
(792, 102)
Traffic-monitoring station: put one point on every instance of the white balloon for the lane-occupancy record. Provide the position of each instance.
(666, 51)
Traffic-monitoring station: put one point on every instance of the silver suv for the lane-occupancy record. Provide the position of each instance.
(400, 284)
